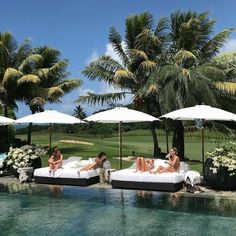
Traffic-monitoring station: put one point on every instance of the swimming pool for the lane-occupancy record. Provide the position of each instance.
(54, 210)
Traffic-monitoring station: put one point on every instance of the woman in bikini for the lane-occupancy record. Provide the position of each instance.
(173, 163)
(55, 161)
(144, 164)
(99, 161)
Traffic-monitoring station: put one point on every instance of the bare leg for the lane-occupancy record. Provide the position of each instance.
(138, 164)
(143, 165)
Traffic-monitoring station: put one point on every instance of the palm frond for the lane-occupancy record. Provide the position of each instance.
(11, 74)
(59, 68)
(228, 87)
(3, 56)
(69, 85)
(212, 72)
(148, 66)
(138, 55)
(32, 61)
(54, 93)
(103, 69)
(116, 41)
(135, 24)
(92, 98)
(185, 58)
(29, 78)
(213, 46)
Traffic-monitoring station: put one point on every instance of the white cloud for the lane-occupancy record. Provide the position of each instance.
(230, 45)
(93, 57)
(103, 86)
(110, 52)
(106, 88)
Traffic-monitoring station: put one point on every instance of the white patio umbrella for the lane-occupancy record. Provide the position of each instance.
(6, 121)
(49, 117)
(121, 115)
(201, 112)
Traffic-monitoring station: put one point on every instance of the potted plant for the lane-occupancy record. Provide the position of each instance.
(25, 156)
(220, 167)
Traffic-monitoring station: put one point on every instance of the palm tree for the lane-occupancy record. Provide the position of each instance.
(139, 55)
(41, 78)
(79, 112)
(11, 55)
(187, 77)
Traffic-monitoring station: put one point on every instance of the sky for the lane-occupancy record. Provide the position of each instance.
(79, 30)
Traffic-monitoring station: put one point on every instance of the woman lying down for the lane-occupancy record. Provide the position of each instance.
(173, 164)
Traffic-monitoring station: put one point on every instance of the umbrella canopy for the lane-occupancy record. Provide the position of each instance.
(201, 112)
(121, 115)
(49, 117)
(6, 121)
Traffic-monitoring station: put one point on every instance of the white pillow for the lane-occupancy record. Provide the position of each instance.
(74, 158)
(71, 164)
(92, 159)
(159, 162)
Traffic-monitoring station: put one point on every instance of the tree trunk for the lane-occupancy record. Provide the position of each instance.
(156, 150)
(29, 131)
(178, 138)
(5, 110)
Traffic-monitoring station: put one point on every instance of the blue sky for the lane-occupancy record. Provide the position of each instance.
(79, 29)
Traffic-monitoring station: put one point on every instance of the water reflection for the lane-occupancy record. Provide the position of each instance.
(174, 199)
(56, 190)
(127, 198)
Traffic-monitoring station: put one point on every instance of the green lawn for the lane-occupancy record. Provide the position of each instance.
(140, 145)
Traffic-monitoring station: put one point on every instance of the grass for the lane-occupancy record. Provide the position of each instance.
(139, 145)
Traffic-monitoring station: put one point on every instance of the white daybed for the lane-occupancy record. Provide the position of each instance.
(69, 173)
(130, 179)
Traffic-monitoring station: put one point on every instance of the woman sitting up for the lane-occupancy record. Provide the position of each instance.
(173, 163)
(144, 164)
(55, 161)
(98, 163)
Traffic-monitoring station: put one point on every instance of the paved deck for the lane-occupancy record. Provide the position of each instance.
(206, 191)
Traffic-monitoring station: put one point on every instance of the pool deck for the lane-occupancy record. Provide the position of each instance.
(206, 191)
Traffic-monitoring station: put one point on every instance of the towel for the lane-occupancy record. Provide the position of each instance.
(192, 177)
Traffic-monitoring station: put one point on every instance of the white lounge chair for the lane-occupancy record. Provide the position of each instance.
(130, 179)
(69, 174)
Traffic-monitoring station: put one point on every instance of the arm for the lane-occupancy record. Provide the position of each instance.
(173, 163)
(60, 160)
(50, 160)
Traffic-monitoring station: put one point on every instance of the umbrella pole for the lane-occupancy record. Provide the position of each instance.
(167, 142)
(50, 136)
(120, 142)
(203, 151)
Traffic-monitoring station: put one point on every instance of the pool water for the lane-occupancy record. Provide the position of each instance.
(55, 210)
(2, 156)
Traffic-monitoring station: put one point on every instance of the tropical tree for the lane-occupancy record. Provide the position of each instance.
(79, 112)
(188, 77)
(139, 54)
(41, 78)
(11, 55)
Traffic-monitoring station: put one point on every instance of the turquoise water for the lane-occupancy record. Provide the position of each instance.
(2, 156)
(54, 210)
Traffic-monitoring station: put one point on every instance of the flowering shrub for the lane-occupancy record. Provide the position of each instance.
(23, 156)
(224, 156)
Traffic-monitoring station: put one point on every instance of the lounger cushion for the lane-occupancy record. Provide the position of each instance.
(131, 175)
(66, 173)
